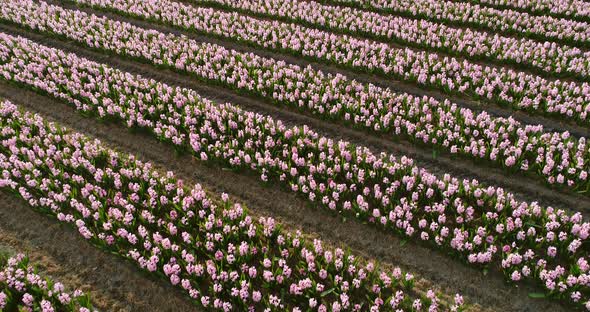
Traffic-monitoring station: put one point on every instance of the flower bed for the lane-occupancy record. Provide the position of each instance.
(210, 247)
(546, 58)
(531, 93)
(482, 224)
(555, 157)
(23, 289)
(572, 9)
(544, 28)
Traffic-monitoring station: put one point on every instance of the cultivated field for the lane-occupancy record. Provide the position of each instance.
(294, 155)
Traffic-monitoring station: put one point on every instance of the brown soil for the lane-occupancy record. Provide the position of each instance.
(113, 283)
(434, 269)
(525, 187)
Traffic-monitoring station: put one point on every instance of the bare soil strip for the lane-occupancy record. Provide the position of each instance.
(434, 269)
(393, 84)
(113, 283)
(525, 187)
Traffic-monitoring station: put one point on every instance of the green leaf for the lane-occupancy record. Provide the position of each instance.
(485, 272)
(403, 242)
(537, 295)
(327, 292)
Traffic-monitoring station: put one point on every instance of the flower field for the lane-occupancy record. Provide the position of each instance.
(23, 289)
(419, 126)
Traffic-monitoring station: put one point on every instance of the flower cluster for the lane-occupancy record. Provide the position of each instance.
(242, 71)
(23, 289)
(463, 12)
(482, 224)
(573, 9)
(546, 57)
(555, 157)
(211, 248)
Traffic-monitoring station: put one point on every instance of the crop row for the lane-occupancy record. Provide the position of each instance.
(555, 157)
(461, 13)
(573, 9)
(481, 224)
(545, 57)
(212, 248)
(568, 100)
(23, 289)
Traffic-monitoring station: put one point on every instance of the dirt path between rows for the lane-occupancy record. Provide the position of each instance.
(525, 187)
(433, 268)
(551, 124)
(113, 283)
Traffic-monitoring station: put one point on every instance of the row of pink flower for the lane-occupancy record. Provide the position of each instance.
(213, 62)
(23, 289)
(213, 249)
(521, 90)
(574, 9)
(546, 57)
(464, 13)
(555, 157)
(482, 224)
